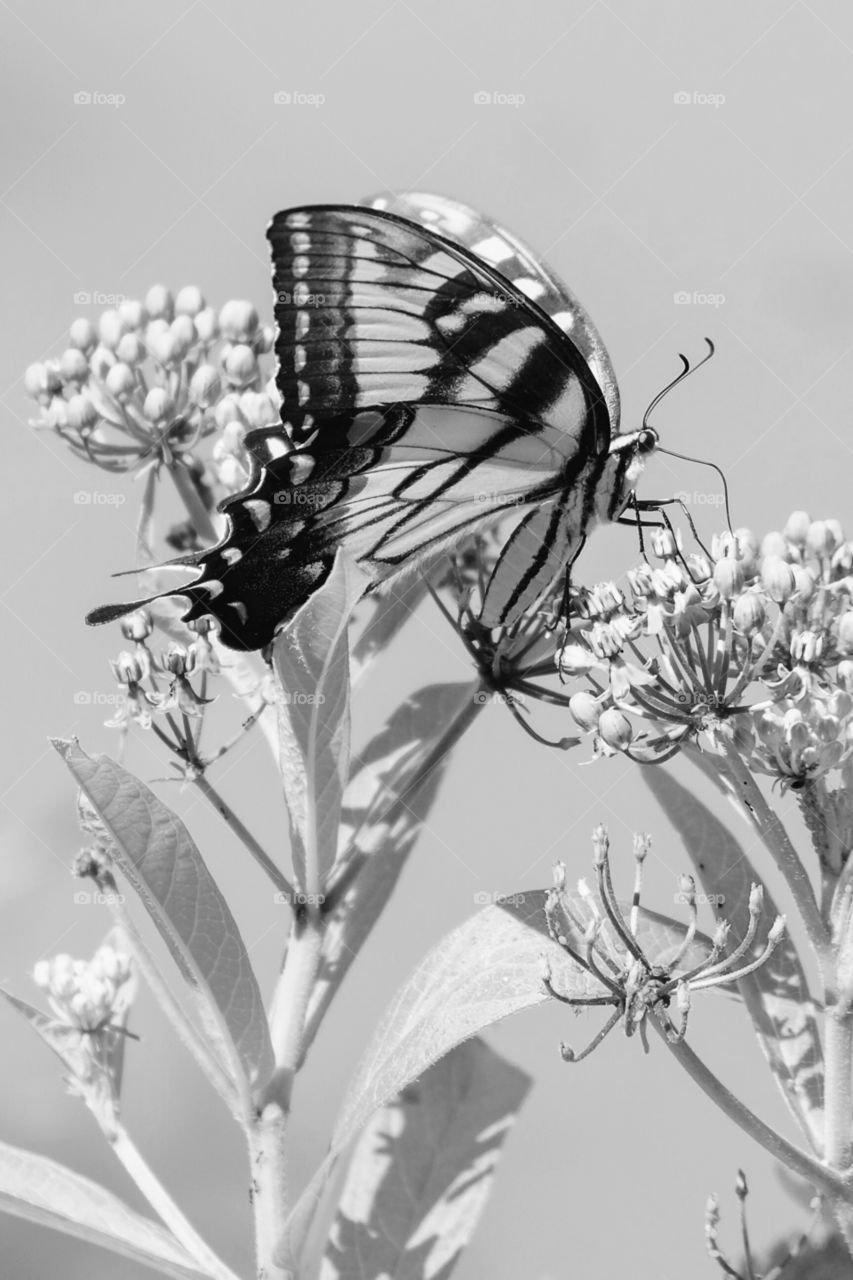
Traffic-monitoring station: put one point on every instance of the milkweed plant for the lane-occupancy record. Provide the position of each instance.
(739, 658)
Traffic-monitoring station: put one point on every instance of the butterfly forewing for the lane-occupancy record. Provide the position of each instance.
(424, 394)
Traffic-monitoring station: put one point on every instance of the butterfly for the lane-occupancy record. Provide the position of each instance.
(436, 377)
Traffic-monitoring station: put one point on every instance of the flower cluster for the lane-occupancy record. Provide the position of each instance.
(759, 637)
(88, 995)
(154, 377)
(614, 959)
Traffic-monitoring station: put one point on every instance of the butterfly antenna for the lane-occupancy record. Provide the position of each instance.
(687, 369)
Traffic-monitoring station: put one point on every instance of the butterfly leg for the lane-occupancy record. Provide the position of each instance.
(659, 505)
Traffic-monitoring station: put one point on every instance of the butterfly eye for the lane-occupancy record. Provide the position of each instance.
(647, 440)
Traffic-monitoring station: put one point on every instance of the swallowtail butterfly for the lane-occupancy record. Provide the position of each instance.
(435, 377)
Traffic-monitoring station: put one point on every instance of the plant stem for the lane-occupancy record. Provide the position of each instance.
(196, 510)
(257, 851)
(799, 1161)
(778, 844)
(838, 1086)
(290, 1003)
(266, 1150)
(163, 1204)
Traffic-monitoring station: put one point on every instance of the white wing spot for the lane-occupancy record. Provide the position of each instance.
(303, 323)
(300, 358)
(260, 513)
(232, 555)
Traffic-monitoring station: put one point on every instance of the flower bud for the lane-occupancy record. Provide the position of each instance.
(227, 410)
(640, 580)
(158, 405)
(131, 349)
(183, 335)
(206, 326)
(773, 544)
(600, 845)
(845, 632)
(842, 559)
(101, 361)
(844, 674)
(575, 659)
(806, 646)
(82, 334)
(240, 364)
(232, 474)
(82, 414)
(749, 546)
(189, 301)
(35, 380)
(132, 313)
(663, 544)
(238, 320)
(111, 328)
(137, 626)
(120, 381)
(614, 728)
(176, 660)
(700, 568)
(749, 613)
(257, 409)
(265, 340)
(728, 576)
(129, 668)
(159, 303)
(584, 710)
(778, 578)
(821, 539)
(797, 527)
(604, 640)
(73, 365)
(205, 386)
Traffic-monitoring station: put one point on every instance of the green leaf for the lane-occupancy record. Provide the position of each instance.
(385, 805)
(423, 1170)
(311, 662)
(490, 967)
(42, 1191)
(776, 994)
(156, 854)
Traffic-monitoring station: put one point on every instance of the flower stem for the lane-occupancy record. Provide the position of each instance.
(266, 1150)
(257, 851)
(196, 510)
(799, 1161)
(290, 1003)
(778, 844)
(838, 1085)
(165, 1207)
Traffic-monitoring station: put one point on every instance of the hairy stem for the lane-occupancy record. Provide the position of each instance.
(189, 495)
(799, 1161)
(777, 842)
(269, 1188)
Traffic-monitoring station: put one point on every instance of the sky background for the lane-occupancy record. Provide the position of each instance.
(654, 150)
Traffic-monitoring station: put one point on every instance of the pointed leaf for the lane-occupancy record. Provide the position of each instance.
(311, 662)
(776, 994)
(385, 806)
(423, 1169)
(42, 1191)
(156, 854)
(493, 965)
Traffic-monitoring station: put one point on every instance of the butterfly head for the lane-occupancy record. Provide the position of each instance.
(647, 440)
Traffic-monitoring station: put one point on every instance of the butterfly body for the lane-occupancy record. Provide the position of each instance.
(425, 394)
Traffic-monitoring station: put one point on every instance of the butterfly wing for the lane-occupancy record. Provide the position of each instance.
(425, 395)
(515, 260)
